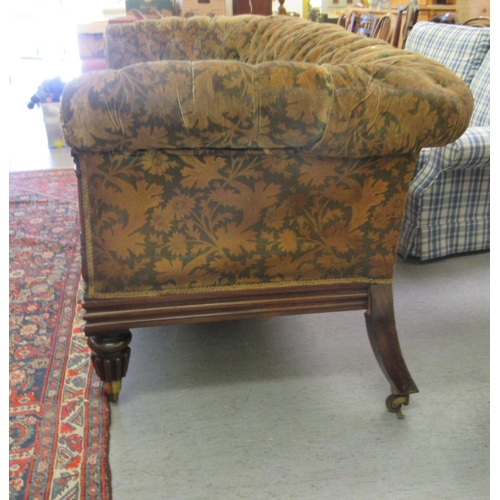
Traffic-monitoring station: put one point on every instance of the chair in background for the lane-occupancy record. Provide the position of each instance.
(369, 25)
(406, 18)
(383, 28)
(478, 22)
(446, 18)
(448, 206)
(363, 24)
(342, 20)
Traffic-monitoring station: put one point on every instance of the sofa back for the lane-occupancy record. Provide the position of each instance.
(286, 83)
(177, 39)
(459, 48)
(248, 39)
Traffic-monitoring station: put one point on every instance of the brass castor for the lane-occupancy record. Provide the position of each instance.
(112, 390)
(394, 403)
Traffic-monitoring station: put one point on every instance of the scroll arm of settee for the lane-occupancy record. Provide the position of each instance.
(394, 104)
(348, 110)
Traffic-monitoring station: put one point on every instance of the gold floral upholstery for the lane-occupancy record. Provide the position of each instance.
(245, 152)
(158, 221)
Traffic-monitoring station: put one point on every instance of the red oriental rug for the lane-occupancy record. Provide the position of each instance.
(59, 417)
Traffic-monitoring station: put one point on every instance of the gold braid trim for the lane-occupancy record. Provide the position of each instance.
(225, 288)
(82, 165)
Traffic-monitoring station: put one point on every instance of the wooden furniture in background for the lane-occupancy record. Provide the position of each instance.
(469, 9)
(363, 24)
(256, 7)
(407, 18)
(478, 22)
(383, 30)
(428, 8)
(341, 21)
(91, 48)
(373, 25)
(399, 21)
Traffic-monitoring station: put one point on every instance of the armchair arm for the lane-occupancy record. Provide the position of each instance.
(472, 149)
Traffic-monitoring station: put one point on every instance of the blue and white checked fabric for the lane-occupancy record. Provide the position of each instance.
(459, 48)
(471, 150)
(453, 214)
(448, 207)
(480, 88)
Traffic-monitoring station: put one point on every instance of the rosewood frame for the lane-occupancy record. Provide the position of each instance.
(108, 323)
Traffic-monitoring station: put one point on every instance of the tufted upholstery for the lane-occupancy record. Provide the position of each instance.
(247, 154)
(350, 92)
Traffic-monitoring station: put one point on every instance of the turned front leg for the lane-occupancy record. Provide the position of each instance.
(110, 355)
(381, 327)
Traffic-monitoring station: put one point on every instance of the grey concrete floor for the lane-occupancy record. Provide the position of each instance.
(293, 407)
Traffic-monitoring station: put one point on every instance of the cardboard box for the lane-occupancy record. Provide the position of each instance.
(53, 128)
(91, 45)
(204, 7)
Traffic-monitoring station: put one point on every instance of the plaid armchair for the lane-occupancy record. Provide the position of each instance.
(247, 166)
(448, 207)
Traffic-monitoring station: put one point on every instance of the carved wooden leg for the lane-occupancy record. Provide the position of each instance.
(381, 326)
(110, 355)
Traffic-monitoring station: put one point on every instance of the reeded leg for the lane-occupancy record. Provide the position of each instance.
(381, 326)
(110, 355)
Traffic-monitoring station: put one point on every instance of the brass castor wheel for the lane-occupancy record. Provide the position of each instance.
(394, 403)
(112, 390)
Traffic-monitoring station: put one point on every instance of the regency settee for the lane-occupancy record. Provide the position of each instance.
(448, 207)
(240, 167)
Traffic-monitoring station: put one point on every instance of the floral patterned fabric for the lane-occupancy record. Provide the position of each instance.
(258, 82)
(249, 151)
(158, 222)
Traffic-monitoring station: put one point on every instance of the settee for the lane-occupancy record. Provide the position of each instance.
(448, 207)
(247, 166)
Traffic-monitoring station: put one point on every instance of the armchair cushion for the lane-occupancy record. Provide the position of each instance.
(460, 48)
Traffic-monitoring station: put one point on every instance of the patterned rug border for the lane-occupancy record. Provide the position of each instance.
(59, 428)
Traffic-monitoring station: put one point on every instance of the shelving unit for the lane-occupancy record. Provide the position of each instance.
(466, 9)
(429, 8)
